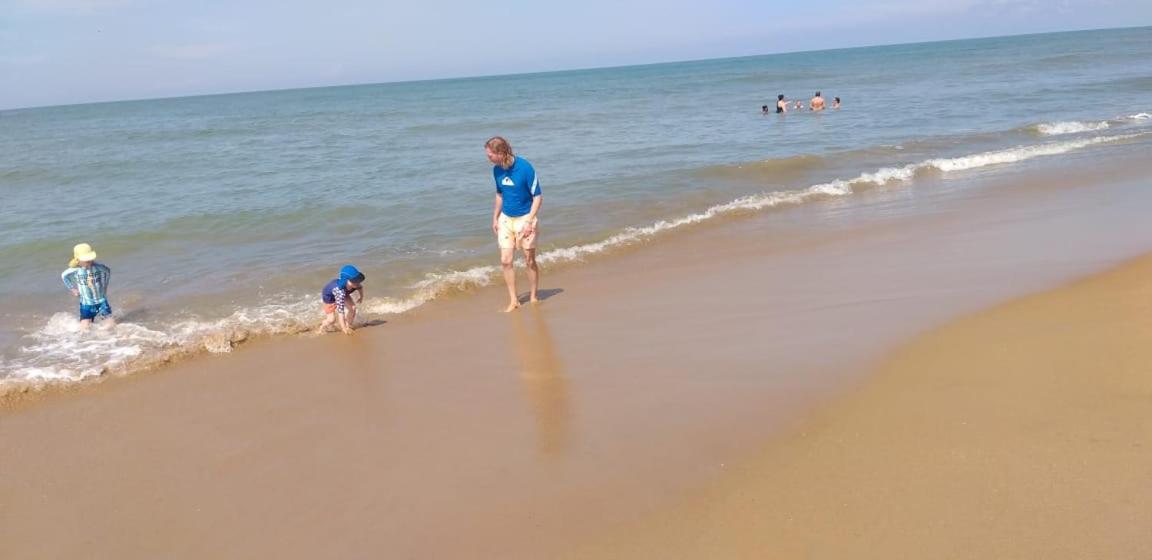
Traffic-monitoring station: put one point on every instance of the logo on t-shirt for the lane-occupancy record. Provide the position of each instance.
(507, 182)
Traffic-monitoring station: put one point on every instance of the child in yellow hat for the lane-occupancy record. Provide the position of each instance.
(88, 281)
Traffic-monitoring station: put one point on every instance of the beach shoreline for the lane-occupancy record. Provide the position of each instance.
(639, 383)
(222, 216)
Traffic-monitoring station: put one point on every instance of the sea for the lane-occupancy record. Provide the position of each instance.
(222, 216)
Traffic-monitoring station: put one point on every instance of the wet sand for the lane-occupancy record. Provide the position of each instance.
(1020, 432)
(626, 400)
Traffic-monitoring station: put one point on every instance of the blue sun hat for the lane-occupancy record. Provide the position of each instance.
(350, 273)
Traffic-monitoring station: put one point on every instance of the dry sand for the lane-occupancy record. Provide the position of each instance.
(1020, 432)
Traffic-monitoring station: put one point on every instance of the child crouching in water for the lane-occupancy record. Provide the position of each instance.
(337, 297)
(88, 281)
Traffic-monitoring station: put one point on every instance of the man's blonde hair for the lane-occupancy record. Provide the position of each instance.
(500, 147)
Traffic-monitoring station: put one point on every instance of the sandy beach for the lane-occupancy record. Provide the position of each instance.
(713, 395)
(1019, 432)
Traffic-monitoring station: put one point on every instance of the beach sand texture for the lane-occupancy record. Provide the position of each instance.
(1020, 432)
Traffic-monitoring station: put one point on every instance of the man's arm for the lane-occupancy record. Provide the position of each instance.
(496, 213)
(536, 202)
(530, 225)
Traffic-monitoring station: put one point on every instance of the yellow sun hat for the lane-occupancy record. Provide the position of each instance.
(83, 252)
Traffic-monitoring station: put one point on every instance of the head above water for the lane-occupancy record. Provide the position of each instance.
(817, 94)
(780, 97)
(499, 151)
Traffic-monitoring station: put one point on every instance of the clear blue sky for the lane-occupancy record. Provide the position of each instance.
(73, 51)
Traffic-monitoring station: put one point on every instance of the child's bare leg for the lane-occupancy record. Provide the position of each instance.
(85, 324)
(329, 318)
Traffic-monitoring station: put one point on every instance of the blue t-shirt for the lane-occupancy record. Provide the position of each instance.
(517, 185)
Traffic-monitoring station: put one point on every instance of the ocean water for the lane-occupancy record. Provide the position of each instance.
(222, 216)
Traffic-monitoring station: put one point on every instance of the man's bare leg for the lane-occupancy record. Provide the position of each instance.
(506, 258)
(533, 275)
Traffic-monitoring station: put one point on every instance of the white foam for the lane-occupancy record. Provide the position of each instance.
(1139, 117)
(1018, 154)
(1070, 127)
(59, 352)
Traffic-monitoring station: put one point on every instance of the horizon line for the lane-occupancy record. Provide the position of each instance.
(560, 70)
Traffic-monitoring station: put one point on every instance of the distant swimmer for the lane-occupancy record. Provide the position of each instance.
(781, 104)
(514, 222)
(799, 106)
(88, 282)
(764, 109)
(835, 102)
(817, 102)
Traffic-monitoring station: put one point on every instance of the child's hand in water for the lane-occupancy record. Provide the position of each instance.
(75, 292)
(347, 330)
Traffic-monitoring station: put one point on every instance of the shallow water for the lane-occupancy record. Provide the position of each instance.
(222, 216)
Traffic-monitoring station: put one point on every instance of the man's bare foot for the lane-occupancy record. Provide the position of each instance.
(533, 300)
(512, 307)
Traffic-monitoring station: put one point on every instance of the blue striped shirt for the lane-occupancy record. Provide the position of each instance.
(91, 282)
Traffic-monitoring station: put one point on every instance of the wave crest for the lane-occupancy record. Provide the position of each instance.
(1070, 127)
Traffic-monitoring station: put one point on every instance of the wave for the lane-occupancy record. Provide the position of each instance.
(1070, 127)
(1060, 128)
(58, 354)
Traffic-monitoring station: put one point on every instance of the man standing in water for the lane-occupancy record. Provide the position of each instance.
(518, 200)
(817, 102)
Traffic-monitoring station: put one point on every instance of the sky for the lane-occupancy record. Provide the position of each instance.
(56, 52)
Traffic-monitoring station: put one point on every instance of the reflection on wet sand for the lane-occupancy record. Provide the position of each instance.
(542, 376)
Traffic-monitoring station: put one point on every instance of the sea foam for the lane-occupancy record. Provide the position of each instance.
(1070, 127)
